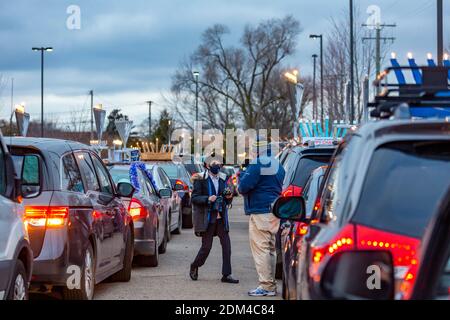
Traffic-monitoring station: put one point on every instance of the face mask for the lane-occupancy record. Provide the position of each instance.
(214, 169)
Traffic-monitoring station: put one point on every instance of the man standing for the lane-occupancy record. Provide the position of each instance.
(211, 199)
(261, 184)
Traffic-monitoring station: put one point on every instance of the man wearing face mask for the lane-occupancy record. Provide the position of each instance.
(210, 196)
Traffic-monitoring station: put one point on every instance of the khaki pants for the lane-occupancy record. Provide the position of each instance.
(262, 231)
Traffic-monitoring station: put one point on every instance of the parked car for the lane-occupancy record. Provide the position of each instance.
(151, 226)
(299, 164)
(379, 194)
(16, 257)
(172, 203)
(74, 215)
(292, 233)
(181, 180)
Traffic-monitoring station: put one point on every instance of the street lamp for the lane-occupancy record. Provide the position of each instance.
(196, 75)
(319, 36)
(42, 50)
(314, 56)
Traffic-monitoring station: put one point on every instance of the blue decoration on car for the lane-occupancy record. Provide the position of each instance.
(134, 175)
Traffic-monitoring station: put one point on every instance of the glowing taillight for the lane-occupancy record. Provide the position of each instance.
(45, 216)
(404, 253)
(137, 209)
(185, 186)
(292, 191)
(302, 229)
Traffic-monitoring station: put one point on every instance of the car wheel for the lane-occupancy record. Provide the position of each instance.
(19, 286)
(187, 218)
(87, 281)
(151, 261)
(163, 246)
(124, 275)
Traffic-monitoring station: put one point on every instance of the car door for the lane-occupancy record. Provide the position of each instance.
(101, 210)
(174, 200)
(116, 213)
(155, 204)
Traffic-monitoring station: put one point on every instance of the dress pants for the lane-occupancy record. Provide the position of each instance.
(215, 228)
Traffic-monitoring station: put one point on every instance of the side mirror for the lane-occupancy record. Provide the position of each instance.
(292, 208)
(165, 193)
(360, 275)
(125, 189)
(178, 187)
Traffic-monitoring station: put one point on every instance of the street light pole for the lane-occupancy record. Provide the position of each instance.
(352, 60)
(196, 74)
(440, 32)
(319, 36)
(314, 86)
(149, 119)
(42, 49)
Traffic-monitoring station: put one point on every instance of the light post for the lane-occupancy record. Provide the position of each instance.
(314, 56)
(196, 75)
(319, 36)
(42, 50)
(295, 96)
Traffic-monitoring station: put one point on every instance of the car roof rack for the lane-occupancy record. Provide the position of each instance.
(399, 99)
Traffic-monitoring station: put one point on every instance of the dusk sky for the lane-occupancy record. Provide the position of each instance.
(127, 51)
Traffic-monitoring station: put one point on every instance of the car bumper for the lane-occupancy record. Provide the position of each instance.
(144, 247)
(52, 272)
(6, 271)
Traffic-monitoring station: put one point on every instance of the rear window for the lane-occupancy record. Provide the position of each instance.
(404, 184)
(28, 167)
(120, 175)
(306, 166)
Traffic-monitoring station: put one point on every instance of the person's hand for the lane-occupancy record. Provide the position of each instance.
(212, 198)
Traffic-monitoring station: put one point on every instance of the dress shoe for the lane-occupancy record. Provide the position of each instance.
(193, 273)
(229, 279)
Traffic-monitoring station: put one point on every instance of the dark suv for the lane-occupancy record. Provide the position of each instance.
(80, 231)
(379, 194)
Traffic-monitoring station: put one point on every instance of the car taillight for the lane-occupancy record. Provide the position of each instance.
(137, 209)
(342, 242)
(185, 186)
(302, 229)
(46, 216)
(292, 191)
(404, 253)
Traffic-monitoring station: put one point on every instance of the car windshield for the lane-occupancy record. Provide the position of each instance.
(120, 174)
(404, 184)
(305, 166)
(171, 170)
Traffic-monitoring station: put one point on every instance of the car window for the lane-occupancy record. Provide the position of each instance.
(87, 171)
(120, 174)
(165, 181)
(305, 166)
(143, 190)
(71, 176)
(417, 173)
(103, 176)
(170, 170)
(331, 191)
(2, 172)
(149, 185)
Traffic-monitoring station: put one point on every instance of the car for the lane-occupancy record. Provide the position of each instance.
(230, 178)
(299, 163)
(180, 179)
(80, 230)
(293, 231)
(150, 219)
(16, 256)
(379, 194)
(172, 203)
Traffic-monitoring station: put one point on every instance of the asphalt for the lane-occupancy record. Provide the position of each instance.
(171, 281)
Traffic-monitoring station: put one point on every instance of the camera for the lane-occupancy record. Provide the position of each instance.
(219, 204)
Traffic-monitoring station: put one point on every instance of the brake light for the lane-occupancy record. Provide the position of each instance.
(292, 191)
(185, 186)
(302, 229)
(45, 216)
(342, 242)
(137, 209)
(404, 253)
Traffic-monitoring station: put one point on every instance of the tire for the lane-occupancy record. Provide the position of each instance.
(187, 219)
(163, 246)
(87, 283)
(151, 261)
(19, 284)
(124, 275)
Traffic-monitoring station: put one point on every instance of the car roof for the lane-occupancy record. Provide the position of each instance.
(45, 144)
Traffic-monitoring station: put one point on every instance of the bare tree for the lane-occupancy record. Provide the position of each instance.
(237, 83)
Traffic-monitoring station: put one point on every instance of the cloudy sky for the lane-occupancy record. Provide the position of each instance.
(126, 51)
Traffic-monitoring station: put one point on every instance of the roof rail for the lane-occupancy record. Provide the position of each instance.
(432, 92)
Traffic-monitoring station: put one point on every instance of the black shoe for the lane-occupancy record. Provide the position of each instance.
(229, 279)
(193, 273)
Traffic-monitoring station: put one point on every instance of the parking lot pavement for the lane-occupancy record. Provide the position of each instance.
(171, 281)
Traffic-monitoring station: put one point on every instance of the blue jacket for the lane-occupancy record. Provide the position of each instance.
(261, 184)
